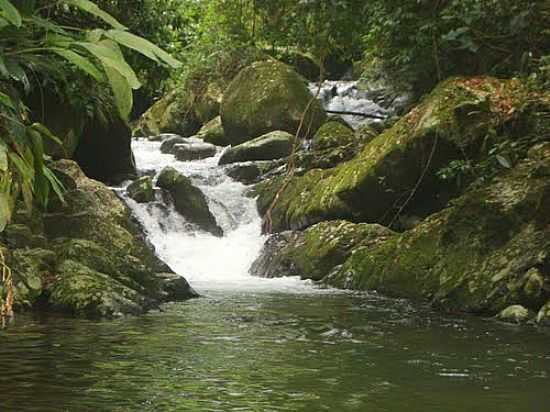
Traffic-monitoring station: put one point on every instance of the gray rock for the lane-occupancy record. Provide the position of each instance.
(514, 314)
(193, 151)
(189, 200)
(167, 145)
(270, 146)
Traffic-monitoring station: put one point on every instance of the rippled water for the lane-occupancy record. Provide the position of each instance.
(232, 351)
(254, 344)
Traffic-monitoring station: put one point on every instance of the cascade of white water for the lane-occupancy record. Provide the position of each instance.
(206, 261)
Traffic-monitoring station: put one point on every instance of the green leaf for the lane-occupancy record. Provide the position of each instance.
(3, 157)
(93, 9)
(143, 46)
(504, 162)
(81, 62)
(55, 183)
(109, 56)
(121, 91)
(6, 101)
(10, 13)
(5, 210)
(39, 127)
(3, 69)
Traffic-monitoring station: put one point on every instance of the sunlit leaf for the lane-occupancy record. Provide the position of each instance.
(80, 61)
(94, 10)
(10, 13)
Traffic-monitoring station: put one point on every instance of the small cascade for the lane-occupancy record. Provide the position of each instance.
(206, 261)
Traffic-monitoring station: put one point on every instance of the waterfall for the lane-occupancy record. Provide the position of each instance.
(206, 261)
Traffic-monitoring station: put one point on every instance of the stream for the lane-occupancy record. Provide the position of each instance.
(252, 344)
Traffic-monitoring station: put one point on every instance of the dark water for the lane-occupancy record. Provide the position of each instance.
(275, 352)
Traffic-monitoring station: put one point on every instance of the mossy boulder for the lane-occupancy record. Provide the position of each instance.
(171, 114)
(333, 134)
(167, 146)
(543, 316)
(487, 251)
(312, 254)
(252, 172)
(212, 132)
(265, 97)
(141, 190)
(189, 201)
(273, 145)
(31, 270)
(514, 314)
(450, 122)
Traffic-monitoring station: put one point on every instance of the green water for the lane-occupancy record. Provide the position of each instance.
(251, 351)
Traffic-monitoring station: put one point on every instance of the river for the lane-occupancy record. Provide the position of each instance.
(251, 344)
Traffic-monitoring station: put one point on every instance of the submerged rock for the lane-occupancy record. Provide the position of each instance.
(189, 200)
(273, 145)
(141, 190)
(265, 97)
(313, 254)
(193, 151)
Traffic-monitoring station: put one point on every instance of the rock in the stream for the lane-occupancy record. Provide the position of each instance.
(543, 317)
(488, 250)
(167, 146)
(312, 254)
(193, 151)
(189, 200)
(265, 97)
(141, 190)
(252, 172)
(514, 314)
(273, 145)
(212, 132)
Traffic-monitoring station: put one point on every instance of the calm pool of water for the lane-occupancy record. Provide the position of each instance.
(232, 351)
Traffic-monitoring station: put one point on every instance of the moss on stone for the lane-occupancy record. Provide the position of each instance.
(271, 146)
(333, 134)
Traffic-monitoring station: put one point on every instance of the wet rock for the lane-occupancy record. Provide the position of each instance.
(167, 146)
(367, 186)
(514, 314)
(31, 269)
(273, 145)
(189, 200)
(543, 316)
(313, 254)
(333, 134)
(194, 151)
(212, 132)
(265, 97)
(162, 137)
(141, 190)
(252, 172)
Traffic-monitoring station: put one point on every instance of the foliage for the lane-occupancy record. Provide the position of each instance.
(35, 50)
(422, 42)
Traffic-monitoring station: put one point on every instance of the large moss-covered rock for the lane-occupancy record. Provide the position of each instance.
(265, 97)
(489, 250)
(194, 151)
(312, 254)
(189, 200)
(451, 122)
(273, 145)
(171, 114)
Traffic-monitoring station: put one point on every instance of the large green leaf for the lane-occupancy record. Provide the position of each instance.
(6, 101)
(121, 91)
(89, 7)
(143, 46)
(3, 69)
(111, 57)
(3, 157)
(10, 13)
(80, 61)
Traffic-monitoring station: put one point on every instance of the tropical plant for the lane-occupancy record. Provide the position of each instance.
(34, 47)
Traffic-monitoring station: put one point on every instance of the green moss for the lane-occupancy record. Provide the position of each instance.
(333, 134)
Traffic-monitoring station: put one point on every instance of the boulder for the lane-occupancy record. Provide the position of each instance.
(543, 316)
(333, 134)
(173, 113)
(141, 190)
(273, 145)
(265, 97)
(167, 146)
(251, 172)
(514, 314)
(212, 132)
(487, 251)
(450, 123)
(189, 200)
(314, 253)
(193, 151)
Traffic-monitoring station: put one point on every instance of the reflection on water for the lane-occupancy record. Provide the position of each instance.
(233, 351)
